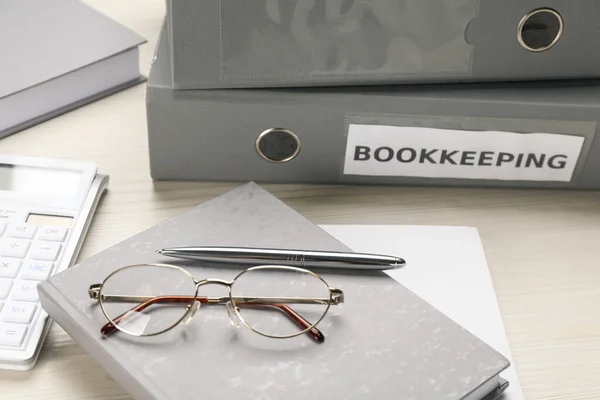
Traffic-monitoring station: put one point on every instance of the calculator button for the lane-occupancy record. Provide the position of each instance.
(9, 267)
(24, 290)
(5, 285)
(12, 334)
(36, 270)
(23, 231)
(44, 250)
(18, 312)
(14, 247)
(51, 233)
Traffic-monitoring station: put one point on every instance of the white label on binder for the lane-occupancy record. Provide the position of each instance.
(376, 150)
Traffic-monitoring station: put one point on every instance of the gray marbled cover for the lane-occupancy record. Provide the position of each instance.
(383, 343)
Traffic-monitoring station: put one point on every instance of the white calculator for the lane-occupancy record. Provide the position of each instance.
(46, 207)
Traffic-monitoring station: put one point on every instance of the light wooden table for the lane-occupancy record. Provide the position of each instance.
(543, 247)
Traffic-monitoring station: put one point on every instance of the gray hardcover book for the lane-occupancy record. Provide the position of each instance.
(59, 55)
(383, 342)
(271, 43)
(535, 135)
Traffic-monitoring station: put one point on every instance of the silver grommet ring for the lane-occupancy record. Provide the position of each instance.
(540, 30)
(278, 145)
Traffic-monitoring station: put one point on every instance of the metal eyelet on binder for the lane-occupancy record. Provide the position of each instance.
(540, 29)
(278, 145)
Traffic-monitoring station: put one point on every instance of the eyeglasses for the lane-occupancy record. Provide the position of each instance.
(167, 295)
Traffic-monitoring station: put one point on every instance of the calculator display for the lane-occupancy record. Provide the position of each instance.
(50, 220)
(30, 180)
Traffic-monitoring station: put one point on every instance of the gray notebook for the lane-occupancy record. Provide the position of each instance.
(383, 342)
(58, 55)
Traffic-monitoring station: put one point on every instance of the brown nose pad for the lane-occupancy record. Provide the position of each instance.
(233, 318)
(195, 307)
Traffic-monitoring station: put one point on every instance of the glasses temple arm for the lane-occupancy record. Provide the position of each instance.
(336, 297)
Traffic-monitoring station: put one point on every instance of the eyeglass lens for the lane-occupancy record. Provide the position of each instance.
(147, 300)
(282, 299)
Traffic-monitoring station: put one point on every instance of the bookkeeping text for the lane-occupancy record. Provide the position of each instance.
(460, 157)
(413, 151)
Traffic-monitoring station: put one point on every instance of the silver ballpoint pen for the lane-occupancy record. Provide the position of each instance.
(297, 258)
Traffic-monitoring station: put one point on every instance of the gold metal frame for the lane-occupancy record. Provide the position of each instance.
(268, 131)
(526, 18)
(336, 296)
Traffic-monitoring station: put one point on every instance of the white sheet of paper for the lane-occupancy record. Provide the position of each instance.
(446, 266)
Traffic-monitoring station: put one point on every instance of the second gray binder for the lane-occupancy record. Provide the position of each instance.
(284, 43)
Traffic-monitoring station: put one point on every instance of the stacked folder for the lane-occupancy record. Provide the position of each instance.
(461, 93)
